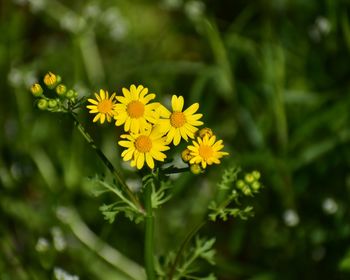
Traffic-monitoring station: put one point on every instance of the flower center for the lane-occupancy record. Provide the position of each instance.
(135, 109)
(205, 151)
(177, 119)
(105, 106)
(143, 144)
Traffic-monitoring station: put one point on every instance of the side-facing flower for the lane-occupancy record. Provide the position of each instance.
(134, 110)
(178, 123)
(142, 147)
(206, 151)
(103, 106)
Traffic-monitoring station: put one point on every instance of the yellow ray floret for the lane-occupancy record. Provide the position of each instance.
(206, 151)
(134, 110)
(102, 106)
(179, 123)
(146, 146)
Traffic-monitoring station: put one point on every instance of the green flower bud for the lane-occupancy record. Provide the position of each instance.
(53, 103)
(186, 155)
(58, 79)
(42, 104)
(36, 90)
(61, 89)
(249, 178)
(247, 191)
(196, 169)
(256, 186)
(240, 184)
(70, 94)
(256, 174)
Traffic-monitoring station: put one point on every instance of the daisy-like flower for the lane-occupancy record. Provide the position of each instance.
(206, 151)
(103, 106)
(145, 146)
(134, 109)
(178, 123)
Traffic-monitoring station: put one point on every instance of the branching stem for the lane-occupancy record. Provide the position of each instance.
(109, 165)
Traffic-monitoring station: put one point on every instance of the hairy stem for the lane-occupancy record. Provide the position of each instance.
(149, 234)
(109, 165)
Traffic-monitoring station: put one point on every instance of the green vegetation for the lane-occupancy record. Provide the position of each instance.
(272, 79)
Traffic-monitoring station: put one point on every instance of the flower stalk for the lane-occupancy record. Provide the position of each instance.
(109, 165)
(149, 233)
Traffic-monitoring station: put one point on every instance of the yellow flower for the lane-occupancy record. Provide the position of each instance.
(206, 151)
(103, 106)
(145, 146)
(134, 109)
(178, 123)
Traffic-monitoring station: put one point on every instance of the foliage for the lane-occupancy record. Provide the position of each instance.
(272, 79)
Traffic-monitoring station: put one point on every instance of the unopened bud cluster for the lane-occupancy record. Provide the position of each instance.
(250, 184)
(61, 97)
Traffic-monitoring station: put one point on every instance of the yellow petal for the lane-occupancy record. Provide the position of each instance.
(149, 160)
(192, 109)
(126, 93)
(140, 161)
(102, 118)
(96, 117)
(102, 94)
(177, 137)
(93, 101)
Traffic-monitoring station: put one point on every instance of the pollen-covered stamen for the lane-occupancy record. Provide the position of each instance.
(105, 106)
(143, 144)
(135, 109)
(177, 119)
(205, 152)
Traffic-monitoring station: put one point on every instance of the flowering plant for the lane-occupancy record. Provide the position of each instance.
(150, 131)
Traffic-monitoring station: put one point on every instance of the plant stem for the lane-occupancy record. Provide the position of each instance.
(109, 165)
(175, 170)
(183, 247)
(149, 233)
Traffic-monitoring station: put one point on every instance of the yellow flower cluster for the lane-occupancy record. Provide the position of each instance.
(151, 127)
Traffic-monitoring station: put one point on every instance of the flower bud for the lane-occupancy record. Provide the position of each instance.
(247, 191)
(42, 104)
(256, 174)
(36, 90)
(52, 103)
(249, 178)
(61, 89)
(240, 184)
(70, 94)
(205, 131)
(196, 169)
(50, 80)
(256, 186)
(186, 155)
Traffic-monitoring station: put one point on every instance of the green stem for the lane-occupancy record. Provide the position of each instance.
(109, 165)
(175, 170)
(183, 247)
(149, 234)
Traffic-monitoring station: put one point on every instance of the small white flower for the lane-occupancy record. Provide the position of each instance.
(291, 218)
(42, 245)
(329, 206)
(61, 274)
(58, 239)
(194, 9)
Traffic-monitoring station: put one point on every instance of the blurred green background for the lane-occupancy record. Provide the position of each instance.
(272, 78)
